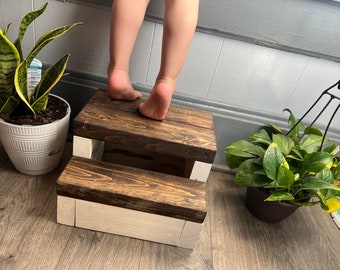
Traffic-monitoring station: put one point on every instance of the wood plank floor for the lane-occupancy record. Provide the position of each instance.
(30, 238)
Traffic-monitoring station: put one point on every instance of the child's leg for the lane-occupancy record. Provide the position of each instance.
(127, 18)
(180, 21)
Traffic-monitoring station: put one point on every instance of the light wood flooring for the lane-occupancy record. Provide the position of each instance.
(30, 238)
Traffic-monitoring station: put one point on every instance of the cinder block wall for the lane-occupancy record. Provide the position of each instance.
(244, 84)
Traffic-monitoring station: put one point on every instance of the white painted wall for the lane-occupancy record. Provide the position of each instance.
(219, 70)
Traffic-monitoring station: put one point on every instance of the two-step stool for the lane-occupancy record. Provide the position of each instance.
(138, 177)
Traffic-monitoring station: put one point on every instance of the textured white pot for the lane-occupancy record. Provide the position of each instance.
(35, 150)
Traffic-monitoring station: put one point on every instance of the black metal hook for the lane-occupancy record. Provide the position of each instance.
(331, 98)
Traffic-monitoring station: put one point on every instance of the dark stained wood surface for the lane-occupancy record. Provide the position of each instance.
(147, 160)
(133, 188)
(185, 132)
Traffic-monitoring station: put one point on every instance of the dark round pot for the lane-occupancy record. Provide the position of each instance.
(270, 212)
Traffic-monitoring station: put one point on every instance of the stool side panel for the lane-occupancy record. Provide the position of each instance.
(126, 222)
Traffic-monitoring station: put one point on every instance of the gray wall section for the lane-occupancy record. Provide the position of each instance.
(310, 27)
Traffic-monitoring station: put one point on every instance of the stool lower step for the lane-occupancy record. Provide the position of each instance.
(132, 202)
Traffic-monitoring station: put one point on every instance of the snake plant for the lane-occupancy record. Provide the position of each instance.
(14, 68)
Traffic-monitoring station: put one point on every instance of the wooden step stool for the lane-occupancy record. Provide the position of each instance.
(138, 177)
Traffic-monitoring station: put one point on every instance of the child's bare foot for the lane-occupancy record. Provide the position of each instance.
(120, 87)
(157, 104)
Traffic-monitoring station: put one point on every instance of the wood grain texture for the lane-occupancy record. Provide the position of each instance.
(29, 235)
(185, 132)
(89, 250)
(140, 158)
(31, 239)
(133, 188)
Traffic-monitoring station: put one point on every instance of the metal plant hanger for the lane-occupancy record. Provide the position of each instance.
(332, 97)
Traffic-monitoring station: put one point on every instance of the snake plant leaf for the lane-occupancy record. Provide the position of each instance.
(6, 29)
(47, 38)
(10, 105)
(9, 60)
(20, 81)
(40, 104)
(25, 22)
(48, 80)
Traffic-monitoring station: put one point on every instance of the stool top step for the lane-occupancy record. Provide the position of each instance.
(185, 132)
(133, 188)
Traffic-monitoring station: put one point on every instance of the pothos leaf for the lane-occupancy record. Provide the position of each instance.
(272, 160)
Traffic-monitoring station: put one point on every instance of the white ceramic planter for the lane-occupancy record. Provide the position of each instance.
(35, 150)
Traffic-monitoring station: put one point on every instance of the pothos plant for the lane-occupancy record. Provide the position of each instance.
(290, 166)
(14, 94)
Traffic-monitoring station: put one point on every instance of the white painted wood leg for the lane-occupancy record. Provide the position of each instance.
(190, 234)
(88, 148)
(66, 208)
(200, 171)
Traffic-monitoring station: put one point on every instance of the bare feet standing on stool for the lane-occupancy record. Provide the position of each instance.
(120, 87)
(179, 24)
(157, 105)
